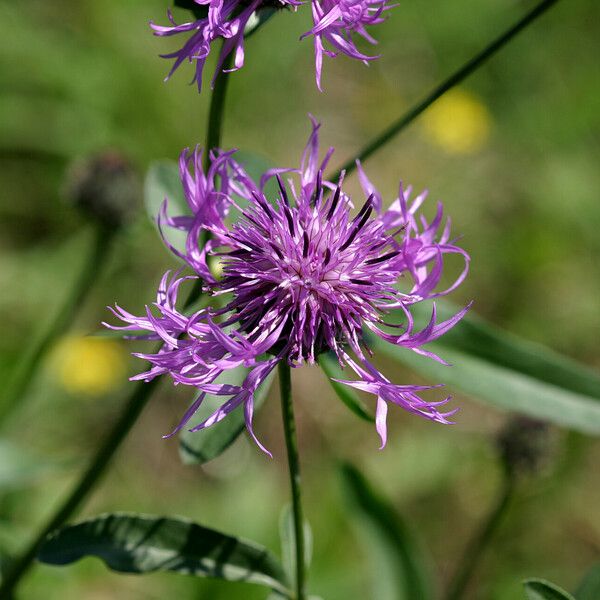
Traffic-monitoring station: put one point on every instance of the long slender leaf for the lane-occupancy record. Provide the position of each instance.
(540, 589)
(589, 588)
(196, 448)
(131, 543)
(473, 335)
(509, 373)
(408, 576)
(344, 393)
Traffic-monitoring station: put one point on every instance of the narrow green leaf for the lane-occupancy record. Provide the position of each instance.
(473, 335)
(346, 394)
(287, 536)
(407, 575)
(540, 589)
(198, 447)
(131, 543)
(507, 372)
(589, 588)
(502, 387)
(163, 182)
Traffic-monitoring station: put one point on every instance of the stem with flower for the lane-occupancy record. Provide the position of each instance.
(291, 443)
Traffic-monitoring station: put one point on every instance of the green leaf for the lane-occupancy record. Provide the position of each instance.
(403, 571)
(131, 543)
(163, 182)
(540, 589)
(507, 372)
(287, 536)
(199, 447)
(589, 588)
(473, 335)
(347, 395)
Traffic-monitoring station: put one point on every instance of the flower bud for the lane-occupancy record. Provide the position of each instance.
(106, 187)
(524, 445)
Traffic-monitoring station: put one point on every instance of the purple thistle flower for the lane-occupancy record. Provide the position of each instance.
(335, 24)
(226, 19)
(301, 276)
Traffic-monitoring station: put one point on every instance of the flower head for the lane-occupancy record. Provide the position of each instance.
(303, 273)
(336, 22)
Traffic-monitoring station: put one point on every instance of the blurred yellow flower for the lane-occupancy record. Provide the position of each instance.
(89, 365)
(458, 122)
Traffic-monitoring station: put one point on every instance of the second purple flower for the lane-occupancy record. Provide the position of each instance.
(336, 25)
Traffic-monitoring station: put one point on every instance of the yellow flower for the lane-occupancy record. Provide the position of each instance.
(89, 365)
(458, 122)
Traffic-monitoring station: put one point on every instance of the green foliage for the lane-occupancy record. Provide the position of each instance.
(162, 183)
(540, 589)
(200, 11)
(19, 468)
(508, 372)
(198, 447)
(398, 559)
(347, 395)
(131, 543)
(589, 588)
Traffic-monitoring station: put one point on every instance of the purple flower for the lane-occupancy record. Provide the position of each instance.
(302, 275)
(335, 24)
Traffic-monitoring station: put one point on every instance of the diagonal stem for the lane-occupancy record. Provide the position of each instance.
(462, 73)
(90, 477)
(24, 374)
(139, 398)
(481, 540)
(291, 444)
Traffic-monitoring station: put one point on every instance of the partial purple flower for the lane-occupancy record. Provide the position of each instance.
(336, 22)
(303, 273)
(226, 20)
(336, 25)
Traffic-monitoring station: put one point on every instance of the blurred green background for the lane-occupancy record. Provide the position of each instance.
(514, 156)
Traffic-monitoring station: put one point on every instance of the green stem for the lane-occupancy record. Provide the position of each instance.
(462, 73)
(90, 477)
(481, 540)
(215, 111)
(138, 400)
(25, 372)
(291, 444)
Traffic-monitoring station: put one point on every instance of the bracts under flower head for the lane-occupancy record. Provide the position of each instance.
(303, 273)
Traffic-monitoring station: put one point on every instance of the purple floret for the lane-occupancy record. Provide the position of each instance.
(304, 272)
(336, 24)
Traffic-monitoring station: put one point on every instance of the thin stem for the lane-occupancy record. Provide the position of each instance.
(24, 374)
(462, 73)
(90, 477)
(137, 401)
(291, 444)
(215, 111)
(481, 540)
